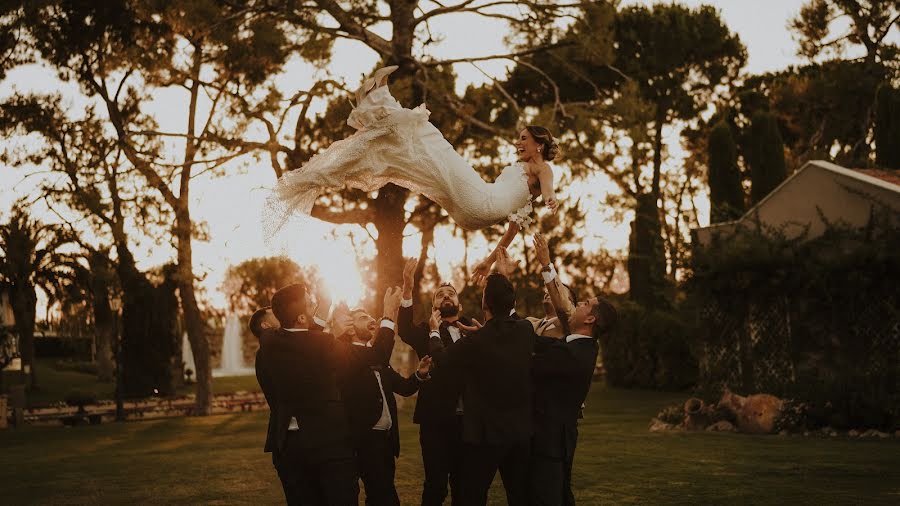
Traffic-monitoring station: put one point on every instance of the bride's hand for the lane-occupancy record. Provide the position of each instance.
(552, 204)
(482, 269)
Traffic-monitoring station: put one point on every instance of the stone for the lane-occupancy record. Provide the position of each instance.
(853, 433)
(897, 434)
(806, 434)
(869, 433)
(783, 433)
(722, 426)
(882, 435)
(657, 425)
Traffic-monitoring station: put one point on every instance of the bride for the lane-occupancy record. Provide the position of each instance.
(400, 146)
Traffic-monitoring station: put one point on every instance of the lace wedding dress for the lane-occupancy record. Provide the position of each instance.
(397, 145)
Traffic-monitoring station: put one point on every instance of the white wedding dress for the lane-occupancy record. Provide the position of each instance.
(397, 145)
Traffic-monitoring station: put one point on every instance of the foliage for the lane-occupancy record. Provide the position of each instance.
(868, 24)
(252, 283)
(764, 151)
(151, 340)
(837, 295)
(31, 258)
(726, 196)
(887, 127)
(650, 348)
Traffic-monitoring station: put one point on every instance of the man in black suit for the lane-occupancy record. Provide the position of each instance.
(372, 413)
(563, 369)
(495, 361)
(439, 408)
(261, 323)
(297, 368)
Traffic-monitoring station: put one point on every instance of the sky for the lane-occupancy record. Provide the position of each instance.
(231, 205)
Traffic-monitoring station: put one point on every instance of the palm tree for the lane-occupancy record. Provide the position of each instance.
(30, 257)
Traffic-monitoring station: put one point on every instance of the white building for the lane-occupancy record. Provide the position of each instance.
(839, 194)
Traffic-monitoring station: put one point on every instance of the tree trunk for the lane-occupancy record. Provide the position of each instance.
(23, 300)
(389, 221)
(193, 318)
(104, 326)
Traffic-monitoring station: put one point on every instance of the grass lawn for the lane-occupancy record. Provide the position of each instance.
(219, 460)
(54, 384)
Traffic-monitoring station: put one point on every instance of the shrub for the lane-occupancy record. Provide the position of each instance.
(649, 349)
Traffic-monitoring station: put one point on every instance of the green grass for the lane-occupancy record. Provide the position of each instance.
(54, 384)
(219, 460)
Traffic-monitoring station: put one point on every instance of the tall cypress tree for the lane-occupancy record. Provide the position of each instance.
(765, 155)
(725, 193)
(887, 127)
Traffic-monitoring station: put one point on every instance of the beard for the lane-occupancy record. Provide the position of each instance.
(448, 309)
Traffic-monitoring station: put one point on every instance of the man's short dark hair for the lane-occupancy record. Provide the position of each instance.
(606, 317)
(499, 295)
(289, 303)
(257, 319)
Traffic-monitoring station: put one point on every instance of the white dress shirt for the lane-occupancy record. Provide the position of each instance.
(385, 422)
(572, 337)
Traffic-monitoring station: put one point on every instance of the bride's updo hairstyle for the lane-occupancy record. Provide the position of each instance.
(549, 147)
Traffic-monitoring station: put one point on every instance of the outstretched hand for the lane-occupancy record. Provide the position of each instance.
(392, 303)
(469, 328)
(434, 323)
(505, 264)
(409, 272)
(541, 250)
(552, 204)
(481, 270)
(424, 368)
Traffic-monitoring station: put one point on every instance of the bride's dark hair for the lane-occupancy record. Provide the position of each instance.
(549, 147)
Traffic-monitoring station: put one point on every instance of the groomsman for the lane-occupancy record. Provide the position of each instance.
(297, 368)
(439, 408)
(372, 413)
(495, 361)
(563, 370)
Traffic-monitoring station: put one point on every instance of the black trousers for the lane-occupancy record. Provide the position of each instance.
(376, 464)
(550, 478)
(317, 476)
(442, 451)
(480, 465)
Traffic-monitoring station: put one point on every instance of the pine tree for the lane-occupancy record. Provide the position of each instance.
(725, 193)
(765, 155)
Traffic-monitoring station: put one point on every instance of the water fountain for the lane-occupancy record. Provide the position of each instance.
(232, 351)
(187, 357)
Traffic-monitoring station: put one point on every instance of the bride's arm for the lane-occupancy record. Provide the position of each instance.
(545, 176)
(483, 268)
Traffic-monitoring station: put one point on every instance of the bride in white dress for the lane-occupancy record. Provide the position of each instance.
(400, 146)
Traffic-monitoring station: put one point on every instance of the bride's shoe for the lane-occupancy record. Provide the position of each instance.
(378, 79)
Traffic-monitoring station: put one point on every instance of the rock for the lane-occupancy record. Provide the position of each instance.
(869, 433)
(806, 434)
(722, 426)
(853, 433)
(882, 435)
(783, 433)
(657, 425)
(897, 434)
(755, 414)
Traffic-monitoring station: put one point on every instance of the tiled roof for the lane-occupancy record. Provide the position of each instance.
(891, 176)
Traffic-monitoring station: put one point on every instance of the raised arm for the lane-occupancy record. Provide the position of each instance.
(414, 335)
(483, 268)
(548, 193)
(562, 304)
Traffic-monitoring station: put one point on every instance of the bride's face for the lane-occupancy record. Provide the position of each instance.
(526, 147)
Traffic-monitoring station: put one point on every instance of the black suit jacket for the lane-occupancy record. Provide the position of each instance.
(363, 399)
(562, 377)
(439, 396)
(298, 373)
(496, 365)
